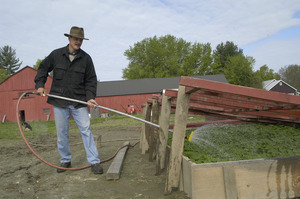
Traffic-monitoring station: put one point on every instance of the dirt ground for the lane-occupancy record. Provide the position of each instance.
(22, 175)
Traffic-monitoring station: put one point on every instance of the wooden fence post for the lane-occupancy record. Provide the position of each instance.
(153, 136)
(181, 114)
(144, 141)
(164, 122)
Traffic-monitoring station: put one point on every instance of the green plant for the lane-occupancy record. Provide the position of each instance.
(242, 142)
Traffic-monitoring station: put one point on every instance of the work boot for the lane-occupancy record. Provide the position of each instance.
(64, 165)
(97, 168)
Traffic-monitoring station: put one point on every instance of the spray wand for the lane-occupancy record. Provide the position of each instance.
(98, 106)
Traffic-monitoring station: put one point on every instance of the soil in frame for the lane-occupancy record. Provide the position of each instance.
(22, 175)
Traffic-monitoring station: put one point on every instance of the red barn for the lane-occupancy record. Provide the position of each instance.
(116, 95)
(32, 107)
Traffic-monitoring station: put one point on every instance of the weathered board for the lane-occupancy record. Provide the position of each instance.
(114, 171)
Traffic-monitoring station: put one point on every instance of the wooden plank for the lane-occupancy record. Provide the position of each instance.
(3, 120)
(181, 114)
(272, 115)
(233, 102)
(114, 171)
(225, 101)
(199, 124)
(235, 97)
(171, 93)
(230, 182)
(239, 90)
(98, 142)
(247, 179)
(144, 141)
(208, 183)
(153, 136)
(186, 181)
(269, 178)
(164, 123)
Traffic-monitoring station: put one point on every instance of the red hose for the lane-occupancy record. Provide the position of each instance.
(49, 164)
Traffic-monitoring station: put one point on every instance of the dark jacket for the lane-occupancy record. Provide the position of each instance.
(76, 79)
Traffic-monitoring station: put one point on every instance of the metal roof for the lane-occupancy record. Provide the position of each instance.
(144, 86)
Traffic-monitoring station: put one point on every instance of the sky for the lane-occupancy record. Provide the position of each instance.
(267, 30)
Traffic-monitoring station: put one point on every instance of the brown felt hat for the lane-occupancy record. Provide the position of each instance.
(76, 32)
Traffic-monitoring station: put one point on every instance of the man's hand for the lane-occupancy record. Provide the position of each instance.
(41, 92)
(92, 103)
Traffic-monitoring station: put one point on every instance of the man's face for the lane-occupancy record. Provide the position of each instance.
(75, 44)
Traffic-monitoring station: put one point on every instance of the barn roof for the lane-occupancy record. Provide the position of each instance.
(19, 71)
(144, 86)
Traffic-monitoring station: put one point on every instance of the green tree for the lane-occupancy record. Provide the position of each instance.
(200, 59)
(290, 74)
(239, 70)
(265, 73)
(8, 60)
(3, 74)
(166, 56)
(221, 54)
(37, 64)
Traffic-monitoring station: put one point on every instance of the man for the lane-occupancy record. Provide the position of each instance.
(74, 77)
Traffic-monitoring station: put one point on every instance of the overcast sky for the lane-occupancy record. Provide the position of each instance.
(267, 30)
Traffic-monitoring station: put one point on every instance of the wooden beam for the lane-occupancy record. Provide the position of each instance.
(153, 136)
(171, 93)
(230, 182)
(174, 166)
(260, 116)
(189, 90)
(272, 116)
(199, 124)
(223, 101)
(234, 97)
(144, 141)
(164, 122)
(239, 90)
(114, 171)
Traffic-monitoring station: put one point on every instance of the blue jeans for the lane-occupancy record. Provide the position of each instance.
(81, 117)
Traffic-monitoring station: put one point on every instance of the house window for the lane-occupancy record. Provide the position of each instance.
(46, 110)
